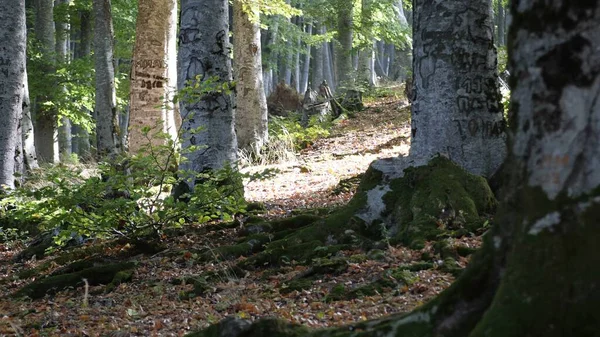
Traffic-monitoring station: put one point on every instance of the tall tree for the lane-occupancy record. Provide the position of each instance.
(13, 42)
(45, 115)
(251, 103)
(456, 108)
(344, 67)
(62, 57)
(204, 55)
(153, 73)
(107, 118)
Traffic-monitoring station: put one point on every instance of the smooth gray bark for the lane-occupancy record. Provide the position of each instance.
(318, 62)
(153, 75)
(328, 66)
(45, 123)
(305, 72)
(270, 56)
(251, 102)
(457, 110)
(28, 143)
(204, 52)
(344, 64)
(107, 118)
(13, 43)
(501, 24)
(62, 57)
(83, 48)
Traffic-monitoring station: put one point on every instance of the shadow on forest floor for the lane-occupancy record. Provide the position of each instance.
(191, 281)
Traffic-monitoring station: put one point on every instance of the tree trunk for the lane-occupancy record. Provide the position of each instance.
(81, 141)
(344, 63)
(251, 111)
(328, 66)
(204, 52)
(13, 43)
(153, 75)
(318, 62)
(29, 153)
(457, 108)
(500, 23)
(555, 175)
(46, 133)
(270, 57)
(62, 57)
(306, 64)
(108, 134)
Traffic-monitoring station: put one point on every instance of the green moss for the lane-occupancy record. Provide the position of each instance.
(437, 198)
(95, 275)
(417, 266)
(296, 285)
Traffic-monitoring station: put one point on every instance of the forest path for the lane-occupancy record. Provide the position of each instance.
(381, 130)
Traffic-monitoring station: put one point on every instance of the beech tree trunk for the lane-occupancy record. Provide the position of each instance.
(457, 109)
(270, 57)
(318, 62)
(345, 67)
(108, 134)
(500, 23)
(306, 64)
(204, 52)
(62, 57)
(81, 137)
(153, 75)
(28, 143)
(13, 43)
(251, 110)
(46, 132)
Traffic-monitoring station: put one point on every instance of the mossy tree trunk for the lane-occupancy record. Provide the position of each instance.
(538, 272)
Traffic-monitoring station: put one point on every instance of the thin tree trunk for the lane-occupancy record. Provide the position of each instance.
(62, 57)
(328, 66)
(306, 64)
(500, 23)
(318, 62)
(251, 111)
(344, 59)
(107, 118)
(28, 143)
(81, 141)
(45, 123)
(13, 42)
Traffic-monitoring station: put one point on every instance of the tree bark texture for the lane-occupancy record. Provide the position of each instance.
(305, 73)
(28, 143)
(318, 74)
(251, 102)
(457, 108)
(345, 68)
(204, 51)
(107, 119)
(45, 117)
(13, 42)
(555, 174)
(81, 137)
(154, 75)
(62, 57)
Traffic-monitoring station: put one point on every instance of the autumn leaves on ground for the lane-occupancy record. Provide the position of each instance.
(189, 283)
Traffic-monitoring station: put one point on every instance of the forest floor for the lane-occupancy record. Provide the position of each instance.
(155, 302)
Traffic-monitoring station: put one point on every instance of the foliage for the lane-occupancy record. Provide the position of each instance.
(77, 202)
(284, 128)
